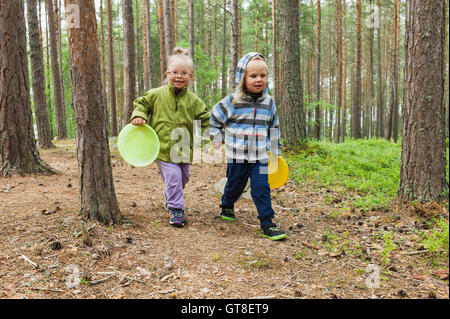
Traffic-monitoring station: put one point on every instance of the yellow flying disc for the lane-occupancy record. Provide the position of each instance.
(279, 177)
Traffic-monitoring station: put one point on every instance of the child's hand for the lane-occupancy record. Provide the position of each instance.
(217, 145)
(138, 121)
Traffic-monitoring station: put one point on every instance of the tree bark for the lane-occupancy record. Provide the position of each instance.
(61, 128)
(392, 124)
(138, 51)
(275, 54)
(344, 74)
(224, 49)
(423, 165)
(356, 113)
(112, 76)
(148, 43)
(60, 59)
(234, 48)
(38, 80)
(339, 81)
(18, 151)
(318, 115)
(129, 64)
(293, 127)
(380, 103)
(191, 37)
(168, 29)
(97, 196)
(162, 46)
(102, 53)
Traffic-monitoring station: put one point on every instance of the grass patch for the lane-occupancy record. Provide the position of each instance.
(368, 168)
(436, 240)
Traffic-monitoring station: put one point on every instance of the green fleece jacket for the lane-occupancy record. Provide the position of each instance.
(172, 117)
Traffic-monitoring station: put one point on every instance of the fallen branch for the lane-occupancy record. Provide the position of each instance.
(281, 207)
(46, 289)
(95, 282)
(88, 229)
(134, 279)
(309, 245)
(30, 261)
(414, 252)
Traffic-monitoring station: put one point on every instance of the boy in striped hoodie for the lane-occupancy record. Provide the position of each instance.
(250, 121)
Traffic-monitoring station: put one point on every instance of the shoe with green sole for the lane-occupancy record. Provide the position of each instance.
(272, 232)
(227, 214)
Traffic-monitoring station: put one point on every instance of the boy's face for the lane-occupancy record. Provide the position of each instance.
(179, 73)
(256, 75)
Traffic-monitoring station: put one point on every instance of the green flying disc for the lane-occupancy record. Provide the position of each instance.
(138, 144)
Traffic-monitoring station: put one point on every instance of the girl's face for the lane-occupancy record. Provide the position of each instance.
(256, 75)
(179, 73)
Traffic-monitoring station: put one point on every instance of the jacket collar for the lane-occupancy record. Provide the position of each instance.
(182, 91)
(249, 98)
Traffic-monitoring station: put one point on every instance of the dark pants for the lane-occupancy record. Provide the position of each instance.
(237, 175)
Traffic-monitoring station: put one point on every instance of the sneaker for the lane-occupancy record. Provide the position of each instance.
(165, 201)
(177, 218)
(273, 232)
(227, 213)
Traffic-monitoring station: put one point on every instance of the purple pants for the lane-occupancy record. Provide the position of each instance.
(175, 177)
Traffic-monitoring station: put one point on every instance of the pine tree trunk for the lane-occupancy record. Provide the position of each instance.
(149, 70)
(129, 68)
(102, 53)
(423, 165)
(37, 74)
(138, 51)
(344, 74)
(48, 81)
(97, 196)
(331, 78)
(234, 49)
(112, 76)
(162, 45)
(191, 28)
(224, 49)
(396, 83)
(356, 113)
(371, 93)
(293, 121)
(337, 135)
(318, 115)
(61, 128)
(60, 59)
(18, 151)
(393, 81)
(380, 103)
(275, 54)
(168, 30)
(174, 20)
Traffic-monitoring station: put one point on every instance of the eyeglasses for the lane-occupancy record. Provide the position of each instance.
(183, 75)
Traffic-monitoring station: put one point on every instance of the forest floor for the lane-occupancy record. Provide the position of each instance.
(332, 250)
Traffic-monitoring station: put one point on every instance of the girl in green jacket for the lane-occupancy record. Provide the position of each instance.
(171, 110)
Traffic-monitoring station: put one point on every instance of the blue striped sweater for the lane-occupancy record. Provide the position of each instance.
(251, 127)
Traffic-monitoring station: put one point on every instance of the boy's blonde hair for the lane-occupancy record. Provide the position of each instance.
(178, 53)
(240, 89)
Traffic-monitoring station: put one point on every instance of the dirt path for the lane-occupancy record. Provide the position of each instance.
(326, 254)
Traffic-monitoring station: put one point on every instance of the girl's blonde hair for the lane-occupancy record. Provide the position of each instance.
(240, 88)
(178, 53)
